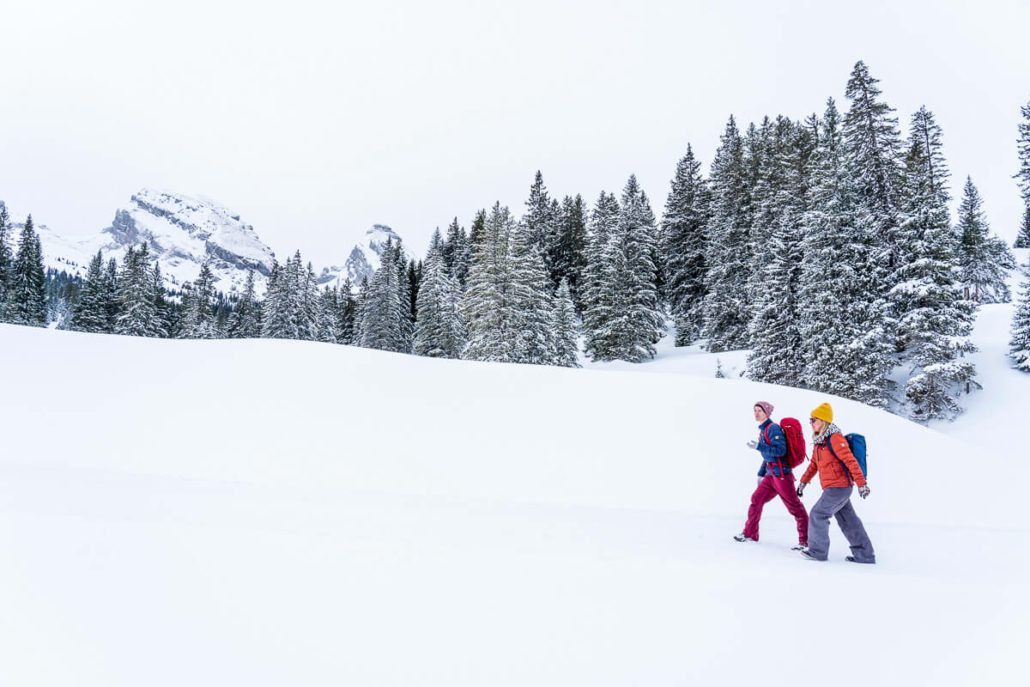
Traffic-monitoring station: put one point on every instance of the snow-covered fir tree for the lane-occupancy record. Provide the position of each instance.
(245, 321)
(6, 257)
(476, 232)
(137, 308)
(873, 149)
(198, 307)
(566, 250)
(984, 260)
(777, 355)
(634, 322)
(1023, 175)
(385, 318)
(438, 330)
(933, 319)
(727, 312)
(684, 239)
(540, 219)
(276, 321)
(90, 312)
(848, 349)
(532, 298)
(347, 307)
(598, 294)
(26, 290)
(1023, 237)
(489, 307)
(457, 253)
(1019, 345)
(566, 329)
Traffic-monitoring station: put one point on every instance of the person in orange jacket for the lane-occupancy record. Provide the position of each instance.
(837, 474)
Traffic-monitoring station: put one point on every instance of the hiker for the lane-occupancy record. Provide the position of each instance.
(775, 477)
(838, 469)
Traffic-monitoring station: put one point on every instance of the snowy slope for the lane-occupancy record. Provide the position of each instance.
(1002, 402)
(181, 233)
(364, 259)
(461, 523)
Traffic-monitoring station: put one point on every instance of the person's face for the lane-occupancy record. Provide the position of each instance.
(760, 415)
(817, 425)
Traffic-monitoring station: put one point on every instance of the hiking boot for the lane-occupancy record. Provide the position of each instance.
(799, 547)
(852, 559)
(743, 537)
(807, 555)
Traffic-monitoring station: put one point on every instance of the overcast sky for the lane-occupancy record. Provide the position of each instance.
(315, 120)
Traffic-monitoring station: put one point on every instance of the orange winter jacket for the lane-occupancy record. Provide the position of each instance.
(831, 470)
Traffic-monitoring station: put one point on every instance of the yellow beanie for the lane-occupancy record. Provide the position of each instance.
(824, 413)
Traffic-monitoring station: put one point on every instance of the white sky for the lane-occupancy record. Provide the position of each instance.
(316, 120)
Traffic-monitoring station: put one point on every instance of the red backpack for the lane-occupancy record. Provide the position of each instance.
(796, 452)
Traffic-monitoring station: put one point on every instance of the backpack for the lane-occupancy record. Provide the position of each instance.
(796, 452)
(856, 442)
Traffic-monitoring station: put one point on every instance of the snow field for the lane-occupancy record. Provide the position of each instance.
(282, 513)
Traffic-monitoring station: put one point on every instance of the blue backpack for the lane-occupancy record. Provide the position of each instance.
(856, 442)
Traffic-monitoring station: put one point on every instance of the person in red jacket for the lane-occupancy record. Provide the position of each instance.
(837, 473)
(775, 478)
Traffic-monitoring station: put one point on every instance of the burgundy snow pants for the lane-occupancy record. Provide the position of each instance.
(769, 488)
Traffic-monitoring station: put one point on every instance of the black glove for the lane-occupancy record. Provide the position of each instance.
(801, 489)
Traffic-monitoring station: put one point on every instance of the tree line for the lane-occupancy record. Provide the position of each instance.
(825, 247)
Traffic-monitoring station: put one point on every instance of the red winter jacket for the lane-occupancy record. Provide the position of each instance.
(831, 470)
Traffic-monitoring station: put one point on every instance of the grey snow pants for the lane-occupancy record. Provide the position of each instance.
(837, 502)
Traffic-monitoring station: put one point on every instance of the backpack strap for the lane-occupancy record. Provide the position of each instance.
(779, 461)
(829, 445)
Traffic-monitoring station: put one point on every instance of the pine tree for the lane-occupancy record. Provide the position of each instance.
(634, 323)
(346, 313)
(438, 329)
(245, 322)
(532, 297)
(872, 143)
(476, 232)
(385, 313)
(566, 334)
(598, 296)
(539, 219)
(6, 258)
(162, 308)
(1023, 175)
(111, 294)
(566, 251)
(1019, 345)
(456, 252)
(199, 320)
(777, 355)
(277, 321)
(137, 311)
(727, 310)
(984, 260)
(934, 322)
(685, 244)
(26, 296)
(1023, 238)
(489, 307)
(90, 313)
(414, 283)
(848, 349)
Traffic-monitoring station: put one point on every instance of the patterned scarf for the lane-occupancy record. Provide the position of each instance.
(827, 431)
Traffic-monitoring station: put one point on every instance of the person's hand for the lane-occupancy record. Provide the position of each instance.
(863, 490)
(801, 489)
(752, 444)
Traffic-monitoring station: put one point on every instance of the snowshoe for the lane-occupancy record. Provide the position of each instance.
(743, 537)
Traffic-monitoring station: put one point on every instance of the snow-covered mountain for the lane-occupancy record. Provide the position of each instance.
(364, 258)
(181, 233)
